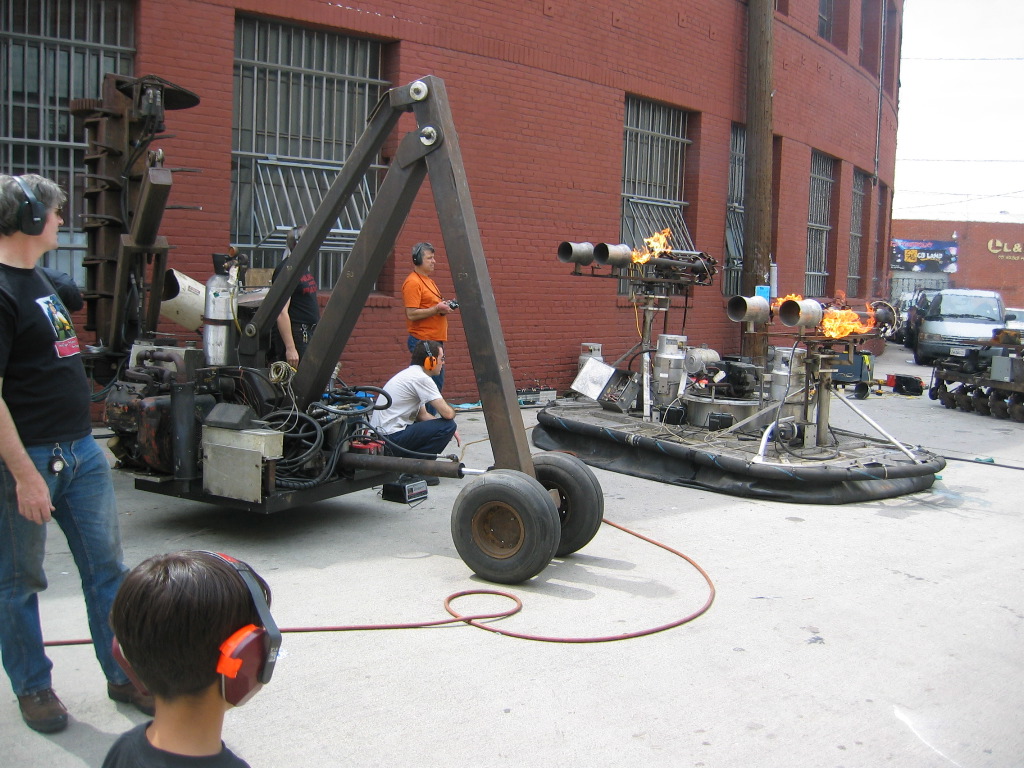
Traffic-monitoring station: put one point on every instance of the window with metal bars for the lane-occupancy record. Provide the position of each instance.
(302, 99)
(819, 213)
(53, 51)
(734, 212)
(855, 272)
(653, 167)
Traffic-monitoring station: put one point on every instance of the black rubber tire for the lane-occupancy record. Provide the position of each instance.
(505, 527)
(997, 405)
(964, 399)
(580, 500)
(920, 359)
(981, 403)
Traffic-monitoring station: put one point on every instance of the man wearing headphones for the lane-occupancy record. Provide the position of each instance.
(50, 465)
(426, 309)
(195, 629)
(409, 428)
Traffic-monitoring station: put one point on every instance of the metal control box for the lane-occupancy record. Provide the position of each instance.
(234, 460)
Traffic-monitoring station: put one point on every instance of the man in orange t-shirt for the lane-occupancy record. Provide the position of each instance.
(426, 309)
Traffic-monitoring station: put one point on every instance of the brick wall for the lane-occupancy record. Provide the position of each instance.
(990, 256)
(537, 91)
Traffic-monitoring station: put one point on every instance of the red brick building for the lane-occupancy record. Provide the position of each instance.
(990, 255)
(572, 117)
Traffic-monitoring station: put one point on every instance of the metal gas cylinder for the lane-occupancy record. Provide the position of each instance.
(789, 374)
(669, 368)
(220, 335)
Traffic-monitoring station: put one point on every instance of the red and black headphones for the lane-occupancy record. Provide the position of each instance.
(248, 657)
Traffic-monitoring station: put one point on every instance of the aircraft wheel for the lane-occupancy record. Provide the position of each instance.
(505, 527)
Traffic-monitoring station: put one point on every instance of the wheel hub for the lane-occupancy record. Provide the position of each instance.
(498, 530)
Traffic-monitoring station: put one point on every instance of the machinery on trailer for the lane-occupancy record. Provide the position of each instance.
(216, 425)
(988, 381)
(718, 422)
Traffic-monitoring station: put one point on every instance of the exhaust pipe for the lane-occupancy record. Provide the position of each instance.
(748, 309)
(576, 253)
(619, 255)
(805, 313)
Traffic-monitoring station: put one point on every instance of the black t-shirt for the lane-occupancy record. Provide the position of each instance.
(304, 307)
(45, 386)
(133, 750)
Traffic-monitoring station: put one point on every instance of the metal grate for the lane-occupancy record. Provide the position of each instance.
(855, 272)
(53, 51)
(819, 213)
(653, 167)
(734, 212)
(302, 98)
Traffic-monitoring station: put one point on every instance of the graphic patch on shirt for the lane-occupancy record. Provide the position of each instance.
(59, 318)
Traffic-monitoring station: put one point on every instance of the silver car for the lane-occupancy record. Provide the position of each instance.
(957, 321)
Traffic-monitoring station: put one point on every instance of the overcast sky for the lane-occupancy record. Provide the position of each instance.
(960, 150)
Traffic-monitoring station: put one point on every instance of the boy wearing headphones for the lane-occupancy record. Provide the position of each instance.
(406, 423)
(426, 310)
(195, 629)
(50, 465)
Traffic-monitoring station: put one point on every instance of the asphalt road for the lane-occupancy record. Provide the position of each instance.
(883, 633)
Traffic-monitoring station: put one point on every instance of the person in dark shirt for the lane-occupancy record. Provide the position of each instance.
(300, 315)
(195, 629)
(50, 465)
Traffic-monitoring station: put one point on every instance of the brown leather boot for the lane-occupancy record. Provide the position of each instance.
(43, 711)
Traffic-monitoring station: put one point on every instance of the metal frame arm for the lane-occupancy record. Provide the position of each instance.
(381, 123)
(433, 149)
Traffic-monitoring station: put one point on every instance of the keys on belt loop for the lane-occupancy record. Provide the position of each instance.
(57, 461)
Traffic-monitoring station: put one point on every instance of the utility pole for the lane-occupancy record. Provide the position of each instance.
(757, 180)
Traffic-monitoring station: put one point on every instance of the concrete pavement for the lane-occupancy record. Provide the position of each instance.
(888, 632)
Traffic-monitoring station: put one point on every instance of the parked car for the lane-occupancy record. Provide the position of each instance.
(1016, 322)
(899, 327)
(957, 321)
(917, 310)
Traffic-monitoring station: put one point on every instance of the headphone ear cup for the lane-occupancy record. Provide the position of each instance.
(31, 213)
(430, 364)
(417, 256)
(242, 657)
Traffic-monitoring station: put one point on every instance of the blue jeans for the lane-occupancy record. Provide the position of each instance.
(429, 436)
(86, 512)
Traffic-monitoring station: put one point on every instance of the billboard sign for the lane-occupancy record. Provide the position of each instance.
(923, 255)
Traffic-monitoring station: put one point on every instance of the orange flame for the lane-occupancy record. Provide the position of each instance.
(654, 246)
(838, 323)
(777, 301)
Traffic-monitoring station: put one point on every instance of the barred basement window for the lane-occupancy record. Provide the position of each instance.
(819, 212)
(734, 212)
(53, 51)
(302, 99)
(653, 166)
(855, 272)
